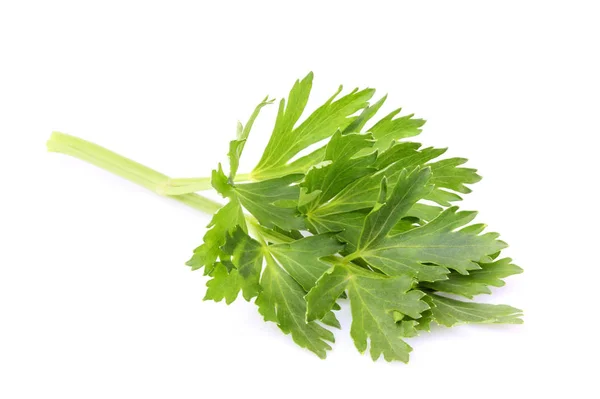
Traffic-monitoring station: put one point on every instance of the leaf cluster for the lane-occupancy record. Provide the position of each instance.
(340, 208)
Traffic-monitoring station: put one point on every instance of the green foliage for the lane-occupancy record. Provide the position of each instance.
(237, 146)
(449, 312)
(351, 220)
(376, 301)
(282, 301)
(477, 281)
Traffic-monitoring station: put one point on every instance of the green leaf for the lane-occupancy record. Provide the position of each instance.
(224, 221)
(449, 312)
(342, 169)
(409, 328)
(424, 323)
(412, 326)
(282, 301)
(306, 197)
(247, 258)
(410, 188)
(427, 252)
(287, 139)
(446, 175)
(348, 225)
(223, 284)
(260, 200)
(477, 281)
(406, 156)
(237, 146)
(221, 183)
(302, 258)
(374, 299)
(424, 212)
(390, 129)
(357, 125)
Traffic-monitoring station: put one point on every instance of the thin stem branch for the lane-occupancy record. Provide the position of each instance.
(124, 167)
(189, 185)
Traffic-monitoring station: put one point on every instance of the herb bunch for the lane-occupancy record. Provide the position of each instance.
(338, 209)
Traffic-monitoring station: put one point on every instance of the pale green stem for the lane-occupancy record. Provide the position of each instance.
(124, 167)
(188, 185)
(185, 185)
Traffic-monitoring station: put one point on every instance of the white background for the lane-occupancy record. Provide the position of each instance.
(95, 301)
